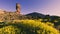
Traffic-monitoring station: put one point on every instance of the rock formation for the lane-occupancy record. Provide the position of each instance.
(18, 8)
(8, 15)
(2, 11)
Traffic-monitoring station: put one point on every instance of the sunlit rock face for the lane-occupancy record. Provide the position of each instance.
(2, 11)
(18, 8)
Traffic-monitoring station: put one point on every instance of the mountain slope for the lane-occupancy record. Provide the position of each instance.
(35, 15)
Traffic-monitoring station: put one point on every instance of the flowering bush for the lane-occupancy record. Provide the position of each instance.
(28, 27)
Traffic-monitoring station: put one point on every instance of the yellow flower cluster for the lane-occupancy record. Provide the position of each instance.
(28, 27)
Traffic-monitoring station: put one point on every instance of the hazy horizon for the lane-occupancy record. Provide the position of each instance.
(51, 7)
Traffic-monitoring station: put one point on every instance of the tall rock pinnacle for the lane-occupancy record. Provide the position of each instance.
(18, 8)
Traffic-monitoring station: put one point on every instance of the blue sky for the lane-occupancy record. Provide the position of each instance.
(51, 7)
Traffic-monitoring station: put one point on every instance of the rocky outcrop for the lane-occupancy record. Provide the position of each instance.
(18, 10)
(2, 11)
(7, 15)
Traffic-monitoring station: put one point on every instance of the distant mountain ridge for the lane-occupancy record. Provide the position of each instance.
(35, 14)
(39, 15)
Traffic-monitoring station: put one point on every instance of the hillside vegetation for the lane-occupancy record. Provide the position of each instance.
(27, 27)
(33, 23)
